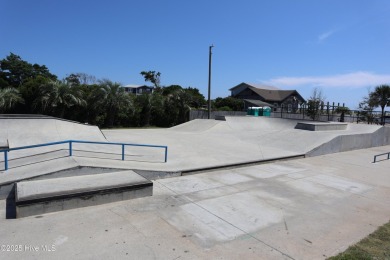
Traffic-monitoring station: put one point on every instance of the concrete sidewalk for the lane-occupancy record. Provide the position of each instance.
(309, 208)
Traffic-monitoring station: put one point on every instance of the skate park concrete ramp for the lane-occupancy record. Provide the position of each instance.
(310, 208)
(305, 208)
(284, 133)
(260, 124)
(16, 131)
(198, 144)
(38, 148)
(197, 125)
(193, 146)
(203, 143)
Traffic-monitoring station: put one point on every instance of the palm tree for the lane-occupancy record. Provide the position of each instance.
(144, 103)
(114, 98)
(380, 97)
(9, 97)
(56, 96)
(179, 105)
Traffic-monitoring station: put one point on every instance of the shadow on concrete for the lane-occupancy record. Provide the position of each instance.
(10, 211)
(120, 160)
(36, 162)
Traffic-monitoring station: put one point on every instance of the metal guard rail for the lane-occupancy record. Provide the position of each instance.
(83, 142)
(388, 156)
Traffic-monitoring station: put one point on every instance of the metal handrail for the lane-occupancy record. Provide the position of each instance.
(70, 142)
(388, 156)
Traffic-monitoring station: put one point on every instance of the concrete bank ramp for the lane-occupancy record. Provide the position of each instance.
(345, 143)
(283, 134)
(260, 123)
(17, 132)
(196, 126)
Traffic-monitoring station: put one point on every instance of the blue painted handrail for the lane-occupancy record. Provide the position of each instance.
(70, 142)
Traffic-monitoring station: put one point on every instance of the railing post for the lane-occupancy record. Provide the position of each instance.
(123, 152)
(6, 160)
(166, 153)
(70, 148)
(281, 111)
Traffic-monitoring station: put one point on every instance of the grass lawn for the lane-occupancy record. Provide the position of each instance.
(374, 246)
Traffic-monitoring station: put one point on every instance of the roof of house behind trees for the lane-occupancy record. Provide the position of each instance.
(269, 93)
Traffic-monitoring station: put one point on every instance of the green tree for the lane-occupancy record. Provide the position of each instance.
(178, 102)
(380, 97)
(144, 105)
(366, 109)
(113, 98)
(30, 91)
(73, 80)
(170, 89)
(159, 115)
(9, 98)
(153, 77)
(3, 80)
(16, 71)
(229, 104)
(181, 100)
(197, 100)
(94, 112)
(76, 79)
(315, 104)
(57, 96)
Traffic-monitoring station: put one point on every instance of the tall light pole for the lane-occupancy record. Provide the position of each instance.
(209, 100)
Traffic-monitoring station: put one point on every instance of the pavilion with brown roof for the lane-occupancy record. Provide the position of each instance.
(263, 95)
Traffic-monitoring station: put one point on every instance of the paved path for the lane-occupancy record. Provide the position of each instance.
(303, 209)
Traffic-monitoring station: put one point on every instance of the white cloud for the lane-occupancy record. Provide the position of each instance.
(358, 79)
(325, 35)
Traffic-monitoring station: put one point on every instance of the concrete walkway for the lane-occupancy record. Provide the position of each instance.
(302, 209)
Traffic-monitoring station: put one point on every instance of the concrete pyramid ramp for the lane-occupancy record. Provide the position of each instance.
(17, 132)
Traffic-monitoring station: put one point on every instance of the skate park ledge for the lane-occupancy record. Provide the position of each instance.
(321, 126)
(51, 195)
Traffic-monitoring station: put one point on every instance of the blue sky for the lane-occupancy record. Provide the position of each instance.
(340, 46)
